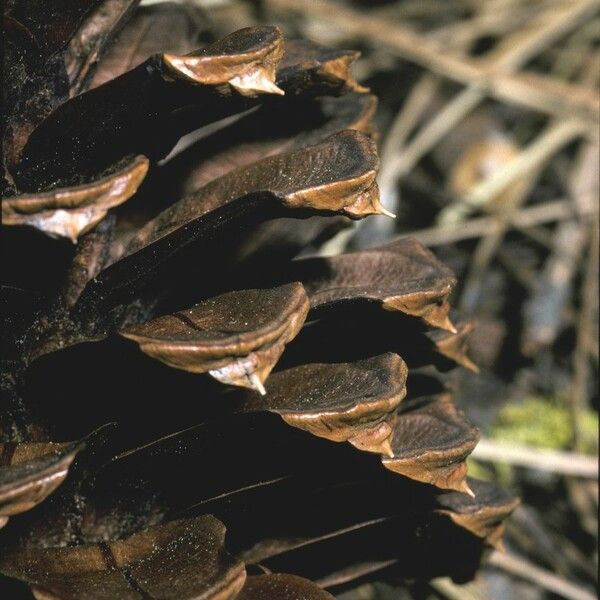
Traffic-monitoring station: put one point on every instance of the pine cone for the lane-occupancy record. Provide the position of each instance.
(151, 285)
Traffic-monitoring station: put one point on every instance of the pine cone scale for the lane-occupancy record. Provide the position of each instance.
(269, 412)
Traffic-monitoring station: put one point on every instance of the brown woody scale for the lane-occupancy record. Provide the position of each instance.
(146, 271)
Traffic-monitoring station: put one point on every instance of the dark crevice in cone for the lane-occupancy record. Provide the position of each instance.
(358, 331)
(143, 386)
(309, 517)
(141, 486)
(37, 262)
(274, 243)
(167, 96)
(258, 449)
(336, 176)
(375, 540)
(436, 549)
(18, 308)
(51, 48)
(424, 382)
(177, 473)
(51, 25)
(267, 131)
(32, 88)
(273, 465)
(134, 113)
(274, 483)
(297, 533)
(355, 402)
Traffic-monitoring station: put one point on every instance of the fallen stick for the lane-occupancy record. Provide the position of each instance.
(452, 591)
(555, 137)
(514, 51)
(494, 81)
(561, 463)
(515, 565)
(543, 311)
(548, 212)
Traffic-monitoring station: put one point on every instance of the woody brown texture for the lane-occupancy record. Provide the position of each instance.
(185, 406)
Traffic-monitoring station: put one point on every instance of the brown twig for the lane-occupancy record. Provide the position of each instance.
(491, 20)
(531, 160)
(523, 220)
(562, 463)
(488, 78)
(512, 53)
(585, 328)
(544, 310)
(533, 535)
(448, 589)
(553, 139)
(400, 129)
(522, 568)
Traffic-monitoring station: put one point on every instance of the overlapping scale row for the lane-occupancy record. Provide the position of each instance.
(265, 415)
